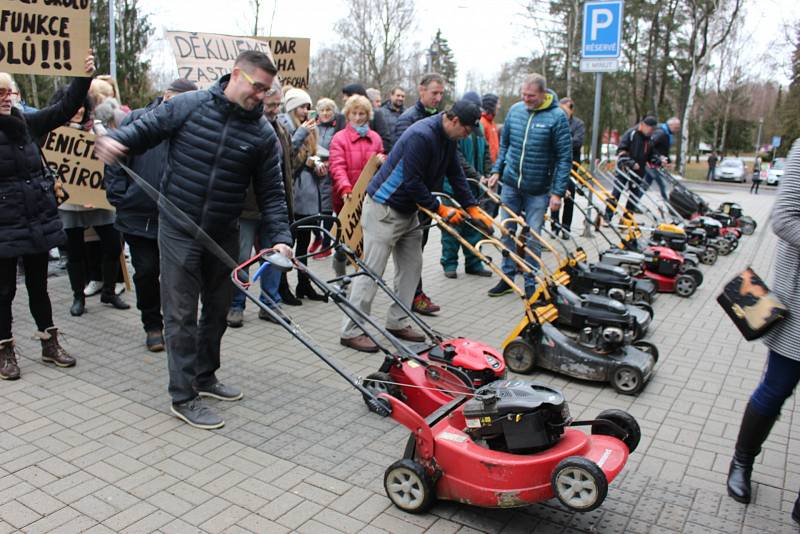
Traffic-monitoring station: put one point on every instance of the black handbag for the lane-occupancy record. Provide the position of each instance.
(51, 176)
(751, 306)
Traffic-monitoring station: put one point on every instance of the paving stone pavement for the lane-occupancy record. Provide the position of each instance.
(94, 449)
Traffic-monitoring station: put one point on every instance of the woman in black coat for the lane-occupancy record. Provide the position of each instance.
(29, 222)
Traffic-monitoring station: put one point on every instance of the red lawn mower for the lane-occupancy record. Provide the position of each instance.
(425, 375)
(507, 444)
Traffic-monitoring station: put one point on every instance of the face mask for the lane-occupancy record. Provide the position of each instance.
(362, 130)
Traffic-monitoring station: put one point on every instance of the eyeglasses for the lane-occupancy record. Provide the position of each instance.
(8, 92)
(257, 87)
(271, 105)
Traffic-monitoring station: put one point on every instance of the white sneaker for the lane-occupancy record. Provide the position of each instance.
(93, 288)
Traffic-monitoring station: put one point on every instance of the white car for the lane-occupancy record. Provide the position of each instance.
(775, 172)
(730, 170)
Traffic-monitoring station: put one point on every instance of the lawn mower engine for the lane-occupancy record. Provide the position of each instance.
(663, 261)
(481, 363)
(517, 416)
(601, 323)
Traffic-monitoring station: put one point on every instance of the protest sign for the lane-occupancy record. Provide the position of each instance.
(50, 37)
(350, 216)
(292, 57)
(206, 57)
(70, 153)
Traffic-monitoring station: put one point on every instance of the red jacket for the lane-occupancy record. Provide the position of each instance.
(349, 153)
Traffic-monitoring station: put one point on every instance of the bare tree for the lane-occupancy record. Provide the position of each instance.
(374, 32)
(709, 24)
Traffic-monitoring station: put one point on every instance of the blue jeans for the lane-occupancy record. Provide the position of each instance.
(534, 207)
(270, 278)
(651, 175)
(780, 378)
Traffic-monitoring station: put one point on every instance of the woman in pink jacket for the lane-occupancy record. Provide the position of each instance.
(350, 151)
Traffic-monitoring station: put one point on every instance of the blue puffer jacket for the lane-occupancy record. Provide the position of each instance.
(216, 149)
(536, 148)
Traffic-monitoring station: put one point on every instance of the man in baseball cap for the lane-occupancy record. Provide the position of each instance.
(425, 153)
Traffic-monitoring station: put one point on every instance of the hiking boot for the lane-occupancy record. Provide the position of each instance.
(9, 369)
(197, 414)
(235, 318)
(221, 392)
(52, 351)
(155, 341)
(500, 289)
(78, 307)
(480, 272)
(450, 274)
(360, 343)
(796, 510)
(114, 301)
(407, 333)
(424, 305)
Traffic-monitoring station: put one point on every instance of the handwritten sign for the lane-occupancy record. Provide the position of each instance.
(204, 58)
(44, 37)
(292, 57)
(350, 216)
(70, 153)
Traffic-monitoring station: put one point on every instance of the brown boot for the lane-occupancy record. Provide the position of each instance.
(9, 370)
(52, 352)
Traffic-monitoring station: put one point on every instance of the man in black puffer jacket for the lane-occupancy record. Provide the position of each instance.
(137, 219)
(219, 143)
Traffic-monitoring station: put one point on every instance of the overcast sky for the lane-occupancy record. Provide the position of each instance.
(482, 33)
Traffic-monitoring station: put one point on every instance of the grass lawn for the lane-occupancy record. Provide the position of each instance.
(696, 172)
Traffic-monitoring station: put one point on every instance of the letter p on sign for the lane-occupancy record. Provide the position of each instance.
(601, 19)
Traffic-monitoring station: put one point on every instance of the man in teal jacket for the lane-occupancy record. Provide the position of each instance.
(534, 163)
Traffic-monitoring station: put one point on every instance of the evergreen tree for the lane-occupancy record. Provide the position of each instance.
(133, 29)
(442, 61)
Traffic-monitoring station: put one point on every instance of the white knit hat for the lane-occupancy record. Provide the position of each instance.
(294, 98)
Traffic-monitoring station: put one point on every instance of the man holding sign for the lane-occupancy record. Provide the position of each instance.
(220, 143)
(425, 153)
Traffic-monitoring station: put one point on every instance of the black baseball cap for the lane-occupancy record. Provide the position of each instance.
(650, 121)
(467, 112)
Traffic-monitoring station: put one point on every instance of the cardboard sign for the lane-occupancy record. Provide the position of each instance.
(292, 57)
(204, 58)
(350, 216)
(70, 153)
(44, 36)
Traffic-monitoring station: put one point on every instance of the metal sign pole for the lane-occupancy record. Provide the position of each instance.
(112, 41)
(598, 90)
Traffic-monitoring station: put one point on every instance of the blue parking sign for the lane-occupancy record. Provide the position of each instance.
(602, 29)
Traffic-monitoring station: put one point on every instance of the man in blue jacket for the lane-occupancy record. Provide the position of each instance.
(425, 153)
(534, 163)
(137, 219)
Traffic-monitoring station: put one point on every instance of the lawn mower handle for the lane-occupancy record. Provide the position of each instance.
(378, 405)
(269, 256)
(308, 223)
